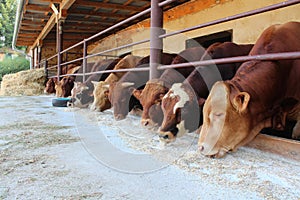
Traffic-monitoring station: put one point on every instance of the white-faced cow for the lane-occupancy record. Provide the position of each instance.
(150, 97)
(101, 89)
(182, 105)
(82, 93)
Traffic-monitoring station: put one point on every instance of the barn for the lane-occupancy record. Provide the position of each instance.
(59, 33)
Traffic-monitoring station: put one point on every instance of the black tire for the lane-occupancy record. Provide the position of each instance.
(60, 102)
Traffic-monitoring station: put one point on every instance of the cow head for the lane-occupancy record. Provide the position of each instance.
(227, 123)
(81, 95)
(120, 96)
(150, 98)
(50, 86)
(58, 88)
(101, 101)
(181, 112)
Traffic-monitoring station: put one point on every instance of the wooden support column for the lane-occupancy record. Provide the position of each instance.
(59, 33)
(156, 44)
(39, 49)
(84, 64)
(32, 59)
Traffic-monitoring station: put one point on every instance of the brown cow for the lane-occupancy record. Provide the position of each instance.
(64, 86)
(120, 93)
(50, 86)
(182, 105)
(101, 89)
(52, 82)
(155, 89)
(262, 94)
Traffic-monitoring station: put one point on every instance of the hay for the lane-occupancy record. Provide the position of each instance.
(28, 83)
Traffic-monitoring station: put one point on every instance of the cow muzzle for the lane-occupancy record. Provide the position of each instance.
(119, 117)
(148, 122)
(167, 137)
(213, 154)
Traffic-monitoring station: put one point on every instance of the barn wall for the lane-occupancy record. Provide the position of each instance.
(197, 12)
(49, 49)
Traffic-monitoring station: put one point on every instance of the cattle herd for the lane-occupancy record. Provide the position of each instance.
(227, 104)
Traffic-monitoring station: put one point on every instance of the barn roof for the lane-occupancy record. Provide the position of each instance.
(36, 19)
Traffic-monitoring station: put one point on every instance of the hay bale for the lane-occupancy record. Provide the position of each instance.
(28, 82)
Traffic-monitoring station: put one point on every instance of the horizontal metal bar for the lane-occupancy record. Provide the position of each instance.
(54, 56)
(52, 67)
(71, 47)
(271, 56)
(117, 48)
(69, 62)
(119, 70)
(238, 16)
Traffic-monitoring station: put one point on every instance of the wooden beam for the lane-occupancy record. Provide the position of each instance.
(66, 4)
(30, 35)
(285, 147)
(51, 1)
(32, 22)
(30, 28)
(99, 14)
(54, 8)
(108, 5)
(37, 8)
(84, 21)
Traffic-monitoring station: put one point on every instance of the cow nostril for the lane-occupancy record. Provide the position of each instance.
(201, 148)
(164, 136)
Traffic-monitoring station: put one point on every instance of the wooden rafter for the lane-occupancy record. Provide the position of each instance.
(108, 5)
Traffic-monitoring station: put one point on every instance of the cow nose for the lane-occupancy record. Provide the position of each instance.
(145, 122)
(165, 137)
(201, 148)
(119, 117)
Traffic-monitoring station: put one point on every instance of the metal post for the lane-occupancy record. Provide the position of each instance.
(156, 44)
(59, 47)
(84, 60)
(39, 56)
(46, 68)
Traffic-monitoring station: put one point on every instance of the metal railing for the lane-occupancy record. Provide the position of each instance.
(275, 56)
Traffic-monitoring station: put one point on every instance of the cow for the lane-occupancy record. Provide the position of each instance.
(183, 103)
(150, 97)
(82, 92)
(50, 86)
(64, 86)
(262, 94)
(100, 93)
(120, 93)
(52, 82)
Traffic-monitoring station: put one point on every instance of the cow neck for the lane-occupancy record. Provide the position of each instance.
(138, 78)
(254, 78)
(195, 82)
(169, 77)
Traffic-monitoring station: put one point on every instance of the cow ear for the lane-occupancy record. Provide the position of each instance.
(95, 83)
(106, 86)
(127, 84)
(240, 101)
(201, 102)
(137, 93)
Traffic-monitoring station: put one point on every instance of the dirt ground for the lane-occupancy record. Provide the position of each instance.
(60, 153)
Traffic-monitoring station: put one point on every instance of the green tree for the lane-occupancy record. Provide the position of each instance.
(7, 21)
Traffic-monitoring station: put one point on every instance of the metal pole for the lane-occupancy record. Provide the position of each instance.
(156, 44)
(59, 47)
(46, 68)
(84, 60)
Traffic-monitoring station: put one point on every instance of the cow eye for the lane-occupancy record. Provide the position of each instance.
(218, 114)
